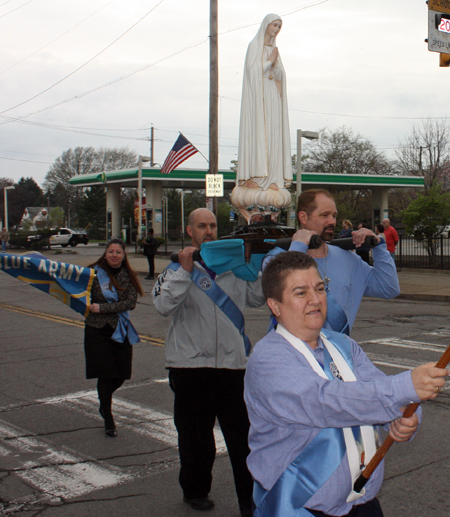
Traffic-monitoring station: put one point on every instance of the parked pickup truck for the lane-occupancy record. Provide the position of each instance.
(67, 237)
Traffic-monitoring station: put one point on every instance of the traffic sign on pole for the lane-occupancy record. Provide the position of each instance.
(438, 31)
(214, 185)
(442, 6)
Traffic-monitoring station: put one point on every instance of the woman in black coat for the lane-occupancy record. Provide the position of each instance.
(109, 334)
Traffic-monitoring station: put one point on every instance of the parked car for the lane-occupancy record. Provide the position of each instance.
(26, 240)
(67, 237)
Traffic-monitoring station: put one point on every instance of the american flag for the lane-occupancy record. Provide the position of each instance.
(181, 151)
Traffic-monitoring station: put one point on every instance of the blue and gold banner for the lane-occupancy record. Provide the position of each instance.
(68, 283)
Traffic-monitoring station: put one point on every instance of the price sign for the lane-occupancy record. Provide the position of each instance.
(214, 185)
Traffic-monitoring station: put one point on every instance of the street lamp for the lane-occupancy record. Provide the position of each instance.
(142, 159)
(165, 203)
(310, 135)
(5, 189)
(182, 215)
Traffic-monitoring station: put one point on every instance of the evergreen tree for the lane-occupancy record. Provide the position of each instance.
(26, 193)
(92, 212)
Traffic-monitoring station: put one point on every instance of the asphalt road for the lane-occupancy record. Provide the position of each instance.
(56, 461)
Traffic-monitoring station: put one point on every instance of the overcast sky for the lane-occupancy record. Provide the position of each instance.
(100, 72)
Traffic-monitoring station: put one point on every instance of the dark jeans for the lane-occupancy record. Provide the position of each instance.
(201, 395)
(151, 265)
(369, 509)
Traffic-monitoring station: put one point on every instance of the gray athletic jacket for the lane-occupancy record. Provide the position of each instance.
(200, 334)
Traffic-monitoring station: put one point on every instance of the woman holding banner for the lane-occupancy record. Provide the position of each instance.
(109, 334)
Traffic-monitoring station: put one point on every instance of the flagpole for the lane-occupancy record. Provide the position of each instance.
(213, 93)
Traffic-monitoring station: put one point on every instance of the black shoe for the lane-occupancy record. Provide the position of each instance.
(199, 503)
(246, 509)
(110, 427)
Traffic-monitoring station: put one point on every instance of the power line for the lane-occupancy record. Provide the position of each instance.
(76, 97)
(56, 39)
(142, 68)
(366, 116)
(16, 9)
(288, 13)
(28, 161)
(62, 128)
(7, 2)
(352, 116)
(86, 63)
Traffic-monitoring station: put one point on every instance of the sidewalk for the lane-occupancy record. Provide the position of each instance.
(415, 284)
(426, 285)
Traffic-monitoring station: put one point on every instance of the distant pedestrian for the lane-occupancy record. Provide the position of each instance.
(347, 229)
(379, 230)
(5, 239)
(391, 237)
(109, 333)
(150, 247)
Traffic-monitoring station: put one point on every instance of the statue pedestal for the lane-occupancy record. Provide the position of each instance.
(254, 203)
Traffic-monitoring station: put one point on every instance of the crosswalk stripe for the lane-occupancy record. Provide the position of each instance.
(405, 343)
(62, 474)
(54, 471)
(140, 419)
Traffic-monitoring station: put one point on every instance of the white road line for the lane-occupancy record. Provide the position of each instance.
(439, 332)
(400, 363)
(393, 362)
(56, 472)
(405, 343)
(137, 418)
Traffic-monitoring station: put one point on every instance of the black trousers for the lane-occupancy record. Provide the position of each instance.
(369, 509)
(201, 395)
(151, 265)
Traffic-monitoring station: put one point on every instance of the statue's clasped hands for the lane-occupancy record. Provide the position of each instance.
(274, 56)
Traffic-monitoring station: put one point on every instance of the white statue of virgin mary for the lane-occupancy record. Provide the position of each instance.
(264, 158)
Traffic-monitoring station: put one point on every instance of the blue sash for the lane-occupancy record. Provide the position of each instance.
(221, 299)
(124, 326)
(336, 317)
(312, 467)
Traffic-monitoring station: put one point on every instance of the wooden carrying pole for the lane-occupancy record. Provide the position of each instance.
(385, 446)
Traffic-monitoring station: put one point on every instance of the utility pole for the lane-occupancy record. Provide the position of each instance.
(152, 144)
(213, 93)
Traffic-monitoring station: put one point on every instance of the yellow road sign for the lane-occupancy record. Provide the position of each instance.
(442, 6)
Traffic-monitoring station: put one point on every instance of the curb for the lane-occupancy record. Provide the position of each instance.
(424, 297)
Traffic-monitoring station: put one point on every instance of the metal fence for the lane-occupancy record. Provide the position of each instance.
(414, 254)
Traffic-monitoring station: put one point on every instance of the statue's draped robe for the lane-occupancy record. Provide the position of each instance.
(264, 139)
